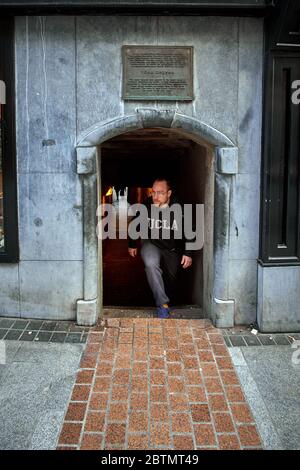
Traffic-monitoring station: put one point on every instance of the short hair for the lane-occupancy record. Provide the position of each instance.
(162, 178)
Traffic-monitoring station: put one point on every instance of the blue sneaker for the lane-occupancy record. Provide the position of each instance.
(163, 312)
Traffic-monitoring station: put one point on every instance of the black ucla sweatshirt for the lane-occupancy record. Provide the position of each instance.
(162, 226)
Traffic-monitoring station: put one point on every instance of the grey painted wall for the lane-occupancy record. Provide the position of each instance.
(68, 76)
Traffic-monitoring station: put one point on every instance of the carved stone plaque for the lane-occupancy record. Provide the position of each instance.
(158, 73)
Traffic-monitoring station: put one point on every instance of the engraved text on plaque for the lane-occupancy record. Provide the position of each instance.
(157, 73)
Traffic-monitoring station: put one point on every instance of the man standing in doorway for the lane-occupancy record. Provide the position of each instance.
(162, 252)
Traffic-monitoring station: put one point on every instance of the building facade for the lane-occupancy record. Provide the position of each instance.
(234, 147)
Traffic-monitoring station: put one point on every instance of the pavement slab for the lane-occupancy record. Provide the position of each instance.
(270, 377)
(36, 383)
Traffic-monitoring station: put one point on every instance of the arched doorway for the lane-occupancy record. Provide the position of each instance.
(130, 163)
(221, 166)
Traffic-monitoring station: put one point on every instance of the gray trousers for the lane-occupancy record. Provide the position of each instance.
(161, 268)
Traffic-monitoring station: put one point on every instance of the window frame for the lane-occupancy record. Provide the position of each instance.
(9, 174)
(274, 187)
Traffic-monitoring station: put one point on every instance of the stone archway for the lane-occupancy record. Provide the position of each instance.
(226, 166)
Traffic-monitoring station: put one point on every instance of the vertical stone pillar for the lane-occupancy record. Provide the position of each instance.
(87, 308)
(226, 167)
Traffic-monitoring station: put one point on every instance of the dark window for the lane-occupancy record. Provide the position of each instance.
(8, 201)
(281, 175)
(2, 95)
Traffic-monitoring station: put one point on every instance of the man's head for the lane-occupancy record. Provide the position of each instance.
(161, 192)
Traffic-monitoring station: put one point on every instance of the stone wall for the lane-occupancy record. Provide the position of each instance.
(68, 77)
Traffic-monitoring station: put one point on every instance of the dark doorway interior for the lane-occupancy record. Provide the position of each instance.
(129, 164)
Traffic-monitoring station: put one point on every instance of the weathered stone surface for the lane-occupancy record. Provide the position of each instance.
(278, 299)
(87, 312)
(86, 160)
(215, 42)
(156, 117)
(147, 118)
(9, 290)
(243, 282)
(221, 236)
(144, 31)
(50, 289)
(99, 42)
(105, 130)
(193, 126)
(250, 94)
(244, 217)
(227, 160)
(90, 240)
(50, 214)
(223, 313)
(45, 94)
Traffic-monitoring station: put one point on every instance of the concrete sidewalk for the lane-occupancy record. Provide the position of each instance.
(271, 384)
(35, 386)
(39, 394)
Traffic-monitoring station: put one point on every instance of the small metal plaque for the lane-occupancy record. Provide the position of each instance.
(158, 73)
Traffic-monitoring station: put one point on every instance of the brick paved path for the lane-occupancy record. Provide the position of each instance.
(157, 384)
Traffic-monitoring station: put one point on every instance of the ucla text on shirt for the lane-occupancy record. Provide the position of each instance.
(175, 221)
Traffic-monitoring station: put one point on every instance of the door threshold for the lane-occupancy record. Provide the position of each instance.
(182, 311)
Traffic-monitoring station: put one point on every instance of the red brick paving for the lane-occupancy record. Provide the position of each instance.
(157, 384)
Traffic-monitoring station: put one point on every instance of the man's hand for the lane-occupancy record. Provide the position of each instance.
(186, 261)
(132, 252)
